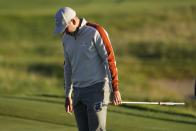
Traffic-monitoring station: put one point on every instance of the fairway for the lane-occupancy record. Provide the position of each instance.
(33, 113)
(20, 124)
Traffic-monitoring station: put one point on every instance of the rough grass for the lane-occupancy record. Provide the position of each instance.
(153, 41)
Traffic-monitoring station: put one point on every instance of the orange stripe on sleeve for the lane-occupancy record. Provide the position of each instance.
(111, 57)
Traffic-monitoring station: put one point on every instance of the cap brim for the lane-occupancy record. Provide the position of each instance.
(59, 30)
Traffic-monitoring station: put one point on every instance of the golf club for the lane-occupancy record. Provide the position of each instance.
(154, 103)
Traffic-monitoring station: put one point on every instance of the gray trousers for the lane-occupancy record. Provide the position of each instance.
(90, 106)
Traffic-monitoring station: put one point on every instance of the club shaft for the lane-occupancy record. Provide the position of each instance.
(153, 103)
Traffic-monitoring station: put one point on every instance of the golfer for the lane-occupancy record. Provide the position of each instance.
(89, 69)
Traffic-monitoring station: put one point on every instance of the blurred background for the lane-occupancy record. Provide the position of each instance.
(155, 47)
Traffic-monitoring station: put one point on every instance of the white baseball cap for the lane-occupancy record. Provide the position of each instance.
(62, 19)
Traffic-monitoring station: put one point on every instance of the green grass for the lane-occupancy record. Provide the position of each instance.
(45, 113)
(30, 125)
(154, 42)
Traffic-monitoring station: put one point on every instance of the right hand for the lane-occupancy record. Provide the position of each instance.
(68, 105)
(116, 98)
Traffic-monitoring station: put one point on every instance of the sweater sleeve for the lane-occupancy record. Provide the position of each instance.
(106, 52)
(67, 76)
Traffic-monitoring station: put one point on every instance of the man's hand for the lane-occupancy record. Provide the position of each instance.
(116, 98)
(68, 105)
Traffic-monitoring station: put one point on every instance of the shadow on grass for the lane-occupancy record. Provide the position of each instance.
(158, 111)
(157, 117)
(20, 115)
(37, 120)
(39, 99)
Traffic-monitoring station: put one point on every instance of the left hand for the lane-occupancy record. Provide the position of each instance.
(68, 105)
(116, 98)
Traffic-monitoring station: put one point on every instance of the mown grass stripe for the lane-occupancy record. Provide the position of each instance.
(43, 121)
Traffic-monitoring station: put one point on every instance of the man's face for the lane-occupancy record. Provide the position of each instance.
(71, 26)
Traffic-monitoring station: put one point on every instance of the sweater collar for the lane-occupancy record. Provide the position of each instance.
(79, 28)
(82, 24)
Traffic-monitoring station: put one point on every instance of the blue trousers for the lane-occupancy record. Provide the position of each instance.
(90, 106)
